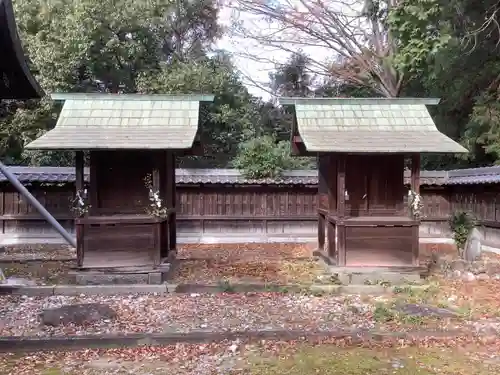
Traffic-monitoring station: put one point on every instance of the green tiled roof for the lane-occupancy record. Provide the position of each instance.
(123, 121)
(369, 125)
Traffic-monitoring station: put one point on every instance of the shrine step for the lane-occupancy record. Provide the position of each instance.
(376, 276)
(118, 278)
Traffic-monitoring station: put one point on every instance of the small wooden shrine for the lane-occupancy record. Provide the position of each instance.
(16, 81)
(362, 145)
(126, 218)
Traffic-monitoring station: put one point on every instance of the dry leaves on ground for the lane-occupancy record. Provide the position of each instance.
(258, 263)
(29, 252)
(458, 356)
(480, 299)
(245, 252)
(282, 272)
(427, 251)
(48, 272)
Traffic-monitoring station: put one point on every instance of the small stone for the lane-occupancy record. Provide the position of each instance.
(478, 271)
(194, 295)
(19, 281)
(415, 309)
(458, 265)
(472, 249)
(482, 276)
(456, 274)
(79, 314)
(468, 276)
(354, 309)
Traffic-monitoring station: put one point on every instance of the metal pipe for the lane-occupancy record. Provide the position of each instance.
(46, 214)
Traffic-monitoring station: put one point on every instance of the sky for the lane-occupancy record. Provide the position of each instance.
(255, 73)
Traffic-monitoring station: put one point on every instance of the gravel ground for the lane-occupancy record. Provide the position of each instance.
(19, 316)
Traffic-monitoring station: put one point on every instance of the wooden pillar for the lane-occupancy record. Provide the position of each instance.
(341, 240)
(79, 188)
(92, 191)
(159, 227)
(415, 173)
(170, 199)
(322, 192)
(161, 161)
(329, 171)
(2, 211)
(321, 231)
(415, 186)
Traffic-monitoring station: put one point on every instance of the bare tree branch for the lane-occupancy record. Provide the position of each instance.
(351, 35)
(490, 26)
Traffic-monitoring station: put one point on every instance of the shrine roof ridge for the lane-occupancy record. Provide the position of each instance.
(138, 97)
(353, 101)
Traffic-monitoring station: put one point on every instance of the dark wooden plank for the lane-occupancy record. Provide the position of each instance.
(79, 171)
(2, 202)
(332, 244)
(93, 183)
(79, 188)
(246, 217)
(120, 219)
(415, 246)
(415, 173)
(171, 200)
(321, 231)
(341, 180)
(341, 245)
(110, 259)
(2, 212)
(80, 244)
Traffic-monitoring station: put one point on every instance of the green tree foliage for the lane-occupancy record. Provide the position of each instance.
(418, 48)
(293, 78)
(91, 45)
(265, 157)
(231, 119)
(451, 48)
(269, 153)
(97, 46)
(420, 31)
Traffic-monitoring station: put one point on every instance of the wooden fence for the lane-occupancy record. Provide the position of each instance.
(251, 213)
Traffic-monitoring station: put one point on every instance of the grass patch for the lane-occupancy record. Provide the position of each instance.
(387, 313)
(412, 294)
(52, 371)
(331, 360)
(302, 272)
(473, 300)
(383, 283)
